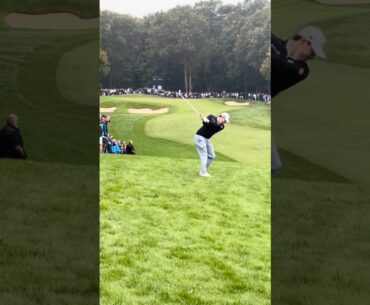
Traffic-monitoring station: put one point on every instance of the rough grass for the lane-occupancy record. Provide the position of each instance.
(320, 242)
(197, 242)
(49, 230)
(171, 237)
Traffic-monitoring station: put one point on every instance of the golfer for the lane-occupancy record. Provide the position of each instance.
(211, 125)
(289, 66)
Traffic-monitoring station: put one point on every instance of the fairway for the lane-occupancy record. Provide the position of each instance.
(320, 115)
(319, 197)
(169, 236)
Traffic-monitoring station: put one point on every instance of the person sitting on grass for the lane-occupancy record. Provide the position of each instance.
(11, 142)
(130, 150)
(124, 147)
(116, 147)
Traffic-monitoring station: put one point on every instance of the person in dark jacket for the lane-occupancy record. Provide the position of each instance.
(289, 67)
(11, 142)
(211, 126)
(130, 150)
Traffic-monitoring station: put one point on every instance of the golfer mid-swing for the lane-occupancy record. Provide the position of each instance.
(211, 125)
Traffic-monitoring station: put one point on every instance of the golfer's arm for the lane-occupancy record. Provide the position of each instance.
(288, 69)
(204, 119)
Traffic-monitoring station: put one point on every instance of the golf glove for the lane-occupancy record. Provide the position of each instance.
(205, 120)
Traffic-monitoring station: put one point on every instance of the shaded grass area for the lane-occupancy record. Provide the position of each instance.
(323, 119)
(298, 168)
(49, 219)
(47, 236)
(347, 43)
(171, 237)
(320, 243)
(48, 121)
(38, 95)
(289, 15)
(78, 76)
(318, 219)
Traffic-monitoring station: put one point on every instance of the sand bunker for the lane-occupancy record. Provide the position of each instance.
(343, 2)
(58, 21)
(147, 111)
(107, 110)
(234, 104)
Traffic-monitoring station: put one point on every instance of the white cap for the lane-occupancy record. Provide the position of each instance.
(226, 116)
(317, 39)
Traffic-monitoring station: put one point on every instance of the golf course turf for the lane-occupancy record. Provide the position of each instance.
(320, 200)
(169, 236)
(49, 218)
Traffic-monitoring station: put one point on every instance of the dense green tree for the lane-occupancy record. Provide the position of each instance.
(205, 47)
(104, 66)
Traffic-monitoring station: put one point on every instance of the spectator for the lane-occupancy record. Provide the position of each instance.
(102, 133)
(115, 147)
(130, 150)
(124, 147)
(11, 142)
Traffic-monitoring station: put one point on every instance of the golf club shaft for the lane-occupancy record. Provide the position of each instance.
(190, 105)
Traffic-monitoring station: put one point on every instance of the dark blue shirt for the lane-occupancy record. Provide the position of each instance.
(10, 137)
(285, 71)
(209, 129)
(103, 132)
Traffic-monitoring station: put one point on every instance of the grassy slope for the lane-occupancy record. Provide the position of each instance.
(77, 74)
(320, 243)
(170, 237)
(49, 226)
(49, 219)
(197, 242)
(341, 122)
(318, 218)
(29, 61)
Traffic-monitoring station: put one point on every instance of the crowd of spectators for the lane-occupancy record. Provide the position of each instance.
(257, 96)
(108, 144)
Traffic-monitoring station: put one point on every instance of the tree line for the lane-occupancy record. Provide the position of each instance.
(210, 46)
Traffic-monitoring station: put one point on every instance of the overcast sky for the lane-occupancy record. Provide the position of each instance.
(140, 8)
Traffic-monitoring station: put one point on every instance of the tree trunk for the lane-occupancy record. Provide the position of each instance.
(245, 84)
(186, 78)
(190, 80)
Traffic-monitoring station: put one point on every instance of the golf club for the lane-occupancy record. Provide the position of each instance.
(190, 105)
